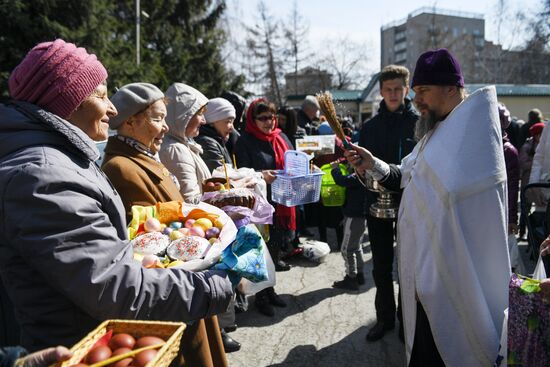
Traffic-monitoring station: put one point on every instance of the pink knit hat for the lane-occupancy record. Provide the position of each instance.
(56, 76)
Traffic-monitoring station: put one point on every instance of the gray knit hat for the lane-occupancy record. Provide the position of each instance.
(131, 99)
(219, 109)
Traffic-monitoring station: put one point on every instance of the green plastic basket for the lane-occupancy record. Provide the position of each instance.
(331, 193)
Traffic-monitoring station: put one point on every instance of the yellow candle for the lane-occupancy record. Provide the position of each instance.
(226, 175)
(234, 162)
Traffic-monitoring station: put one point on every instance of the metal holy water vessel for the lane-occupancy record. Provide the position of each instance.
(386, 206)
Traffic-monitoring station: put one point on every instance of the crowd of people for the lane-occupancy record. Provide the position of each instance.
(453, 161)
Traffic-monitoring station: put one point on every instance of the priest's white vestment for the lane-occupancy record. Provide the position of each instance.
(452, 233)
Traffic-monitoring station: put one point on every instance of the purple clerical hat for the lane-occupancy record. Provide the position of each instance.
(437, 67)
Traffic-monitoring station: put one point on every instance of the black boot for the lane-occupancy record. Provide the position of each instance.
(378, 330)
(348, 283)
(274, 298)
(281, 266)
(229, 344)
(262, 303)
(360, 278)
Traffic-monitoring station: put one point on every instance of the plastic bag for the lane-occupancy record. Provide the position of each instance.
(315, 250)
(244, 177)
(331, 193)
(248, 287)
(528, 324)
(261, 213)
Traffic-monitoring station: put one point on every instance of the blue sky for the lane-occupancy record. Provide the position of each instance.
(361, 20)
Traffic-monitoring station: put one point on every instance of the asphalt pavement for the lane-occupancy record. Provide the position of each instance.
(322, 326)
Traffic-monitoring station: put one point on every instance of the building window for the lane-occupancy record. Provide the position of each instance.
(400, 46)
(455, 32)
(476, 32)
(401, 57)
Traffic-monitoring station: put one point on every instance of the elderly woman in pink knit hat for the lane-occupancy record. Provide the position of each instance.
(65, 259)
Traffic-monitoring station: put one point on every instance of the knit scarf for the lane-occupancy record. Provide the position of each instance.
(285, 217)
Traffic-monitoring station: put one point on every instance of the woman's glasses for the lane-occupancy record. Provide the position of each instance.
(266, 118)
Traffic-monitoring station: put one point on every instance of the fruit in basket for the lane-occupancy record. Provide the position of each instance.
(213, 232)
(98, 354)
(152, 225)
(204, 223)
(122, 340)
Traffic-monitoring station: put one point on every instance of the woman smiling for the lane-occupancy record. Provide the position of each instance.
(131, 159)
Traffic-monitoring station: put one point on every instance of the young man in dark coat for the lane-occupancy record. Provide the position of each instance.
(391, 135)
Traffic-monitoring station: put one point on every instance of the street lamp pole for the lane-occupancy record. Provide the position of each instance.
(138, 20)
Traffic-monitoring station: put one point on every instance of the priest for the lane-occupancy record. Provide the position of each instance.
(452, 229)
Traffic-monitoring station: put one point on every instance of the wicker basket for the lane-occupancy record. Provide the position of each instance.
(171, 332)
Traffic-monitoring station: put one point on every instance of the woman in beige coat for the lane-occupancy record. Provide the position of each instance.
(179, 152)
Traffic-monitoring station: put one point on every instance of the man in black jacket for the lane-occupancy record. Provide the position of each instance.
(390, 136)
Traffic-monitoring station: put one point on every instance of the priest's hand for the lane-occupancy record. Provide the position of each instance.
(360, 158)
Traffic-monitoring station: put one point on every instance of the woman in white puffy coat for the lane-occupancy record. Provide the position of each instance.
(179, 152)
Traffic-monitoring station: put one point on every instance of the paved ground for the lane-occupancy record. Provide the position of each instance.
(321, 326)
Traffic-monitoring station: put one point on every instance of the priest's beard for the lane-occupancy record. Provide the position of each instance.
(425, 124)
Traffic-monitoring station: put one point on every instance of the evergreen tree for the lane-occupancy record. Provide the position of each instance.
(180, 40)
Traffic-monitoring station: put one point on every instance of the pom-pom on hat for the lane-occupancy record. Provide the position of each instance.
(56, 76)
(219, 109)
(131, 99)
(437, 67)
